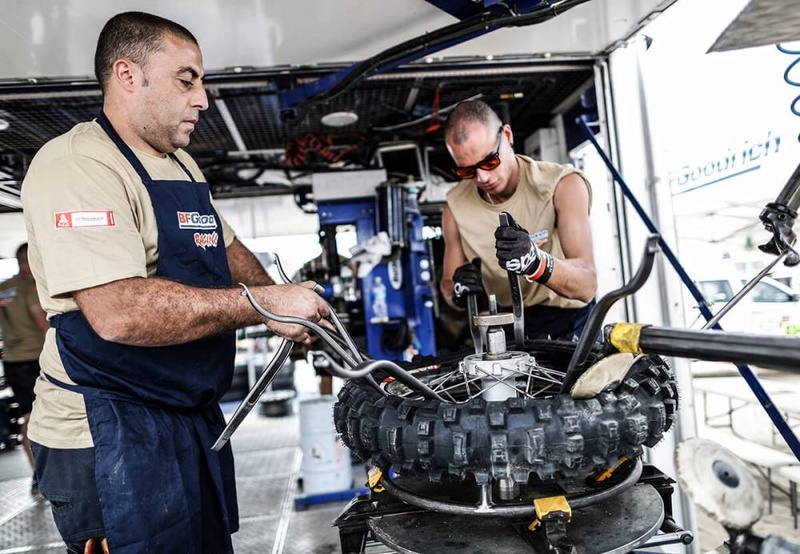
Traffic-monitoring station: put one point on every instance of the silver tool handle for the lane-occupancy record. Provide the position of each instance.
(254, 394)
(516, 300)
(272, 369)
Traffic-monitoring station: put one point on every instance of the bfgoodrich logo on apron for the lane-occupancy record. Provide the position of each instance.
(196, 220)
(205, 222)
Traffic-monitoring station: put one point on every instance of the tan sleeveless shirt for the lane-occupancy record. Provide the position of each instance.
(531, 206)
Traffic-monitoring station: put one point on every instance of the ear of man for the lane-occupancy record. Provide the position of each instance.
(124, 73)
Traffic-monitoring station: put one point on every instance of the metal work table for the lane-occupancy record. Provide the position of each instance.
(784, 395)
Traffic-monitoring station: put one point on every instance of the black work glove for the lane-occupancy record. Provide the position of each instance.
(467, 280)
(517, 252)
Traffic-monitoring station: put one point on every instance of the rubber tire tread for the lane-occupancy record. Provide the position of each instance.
(551, 438)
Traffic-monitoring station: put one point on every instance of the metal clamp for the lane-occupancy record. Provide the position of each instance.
(374, 479)
(552, 515)
(551, 508)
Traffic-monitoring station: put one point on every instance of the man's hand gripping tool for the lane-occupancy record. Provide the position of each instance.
(516, 298)
(263, 381)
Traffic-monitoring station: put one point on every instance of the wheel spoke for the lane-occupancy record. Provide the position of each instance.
(529, 380)
(455, 434)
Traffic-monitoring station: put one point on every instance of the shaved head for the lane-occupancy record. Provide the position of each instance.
(456, 129)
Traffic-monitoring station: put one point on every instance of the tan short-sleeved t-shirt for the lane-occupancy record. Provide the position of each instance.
(22, 337)
(90, 222)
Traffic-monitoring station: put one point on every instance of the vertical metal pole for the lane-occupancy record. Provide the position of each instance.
(745, 371)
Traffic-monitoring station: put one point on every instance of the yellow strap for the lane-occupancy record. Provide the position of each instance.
(625, 337)
(610, 471)
(550, 506)
(374, 479)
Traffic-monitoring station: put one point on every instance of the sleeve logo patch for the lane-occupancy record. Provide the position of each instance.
(84, 218)
(540, 237)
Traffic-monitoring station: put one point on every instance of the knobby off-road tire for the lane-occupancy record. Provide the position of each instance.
(553, 438)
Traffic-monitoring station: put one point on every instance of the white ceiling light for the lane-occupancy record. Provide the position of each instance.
(4, 124)
(339, 119)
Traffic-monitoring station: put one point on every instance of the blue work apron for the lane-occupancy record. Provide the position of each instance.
(549, 322)
(153, 411)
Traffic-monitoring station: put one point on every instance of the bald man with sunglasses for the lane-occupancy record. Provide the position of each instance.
(548, 243)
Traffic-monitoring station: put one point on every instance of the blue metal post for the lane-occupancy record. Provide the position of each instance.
(412, 301)
(749, 376)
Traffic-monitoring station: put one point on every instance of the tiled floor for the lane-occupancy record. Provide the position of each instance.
(268, 464)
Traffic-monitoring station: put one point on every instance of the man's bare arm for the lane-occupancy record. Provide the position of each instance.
(575, 276)
(160, 312)
(39, 317)
(454, 256)
(245, 267)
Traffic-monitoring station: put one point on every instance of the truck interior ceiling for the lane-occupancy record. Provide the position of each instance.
(246, 144)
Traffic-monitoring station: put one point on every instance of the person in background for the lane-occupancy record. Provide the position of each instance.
(135, 268)
(23, 323)
(548, 241)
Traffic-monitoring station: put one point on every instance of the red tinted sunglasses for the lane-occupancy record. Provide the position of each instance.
(486, 164)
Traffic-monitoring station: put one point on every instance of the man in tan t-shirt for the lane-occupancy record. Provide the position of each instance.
(550, 200)
(23, 323)
(136, 270)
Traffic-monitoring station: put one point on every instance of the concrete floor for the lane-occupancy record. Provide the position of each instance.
(268, 459)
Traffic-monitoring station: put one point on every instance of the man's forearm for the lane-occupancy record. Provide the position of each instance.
(572, 279)
(160, 312)
(446, 287)
(39, 317)
(245, 267)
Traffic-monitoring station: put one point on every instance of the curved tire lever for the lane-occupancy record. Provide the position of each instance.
(272, 369)
(599, 312)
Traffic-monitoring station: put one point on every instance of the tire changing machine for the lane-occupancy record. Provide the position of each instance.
(405, 514)
(611, 511)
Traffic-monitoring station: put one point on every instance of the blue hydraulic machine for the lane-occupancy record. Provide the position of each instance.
(395, 298)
